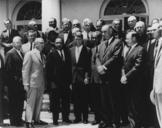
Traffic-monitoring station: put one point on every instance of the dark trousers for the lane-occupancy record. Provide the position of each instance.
(60, 101)
(95, 100)
(16, 104)
(1, 97)
(124, 102)
(110, 103)
(80, 97)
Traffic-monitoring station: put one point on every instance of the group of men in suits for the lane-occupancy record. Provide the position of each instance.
(107, 69)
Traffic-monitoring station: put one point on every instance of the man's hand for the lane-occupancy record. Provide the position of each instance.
(86, 81)
(123, 79)
(7, 45)
(26, 88)
(101, 69)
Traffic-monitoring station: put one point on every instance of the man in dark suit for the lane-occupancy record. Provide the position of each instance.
(7, 36)
(1, 89)
(13, 67)
(59, 78)
(95, 79)
(66, 33)
(108, 67)
(80, 56)
(130, 89)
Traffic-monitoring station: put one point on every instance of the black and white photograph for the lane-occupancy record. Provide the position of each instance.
(80, 63)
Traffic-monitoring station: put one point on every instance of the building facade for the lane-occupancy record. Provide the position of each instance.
(21, 11)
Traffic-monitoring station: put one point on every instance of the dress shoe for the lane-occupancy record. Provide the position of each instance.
(19, 124)
(77, 121)
(104, 125)
(55, 123)
(67, 121)
(95, 122)
(29, 125)
(40, 123)
(85, 121)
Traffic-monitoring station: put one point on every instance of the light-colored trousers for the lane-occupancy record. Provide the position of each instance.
(34, 104)
(158, 105)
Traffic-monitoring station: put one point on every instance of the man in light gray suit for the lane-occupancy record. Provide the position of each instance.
(34, 82)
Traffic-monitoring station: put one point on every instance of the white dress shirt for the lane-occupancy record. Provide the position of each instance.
(61, 53)
(77, 52)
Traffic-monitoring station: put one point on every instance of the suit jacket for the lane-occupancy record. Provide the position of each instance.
(33, 72)
(132, 63)
(27, 47)
(110, 57)
(158, 69)
(80, 69)
(7, 38)
(13, 68)
(95, 77)
(69, 38)
(59, 70)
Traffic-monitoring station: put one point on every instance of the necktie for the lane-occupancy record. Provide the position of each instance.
(129, 48)
(31, 46)
(156, 48)
(107, 44)
(62, 56)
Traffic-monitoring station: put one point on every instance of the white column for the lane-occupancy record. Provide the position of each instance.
(50, 8)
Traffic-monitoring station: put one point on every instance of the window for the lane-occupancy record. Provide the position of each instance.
(29, 11)
(122, 9)
(26, 11)
(118, 7)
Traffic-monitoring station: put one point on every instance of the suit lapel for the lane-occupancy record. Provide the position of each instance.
(38, 57)
(131, 53)
(16, 53)
(73, 54)
(81, 53)
(157, 57)
(108, 48)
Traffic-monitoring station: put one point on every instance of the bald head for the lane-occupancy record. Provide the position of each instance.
(66, 24)
(53, 22)
(17, 42)
(116, 24)
(76, 23)
(132, 21)
(107, 32)
(32, 25)
(140, 27)
(87, 23)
